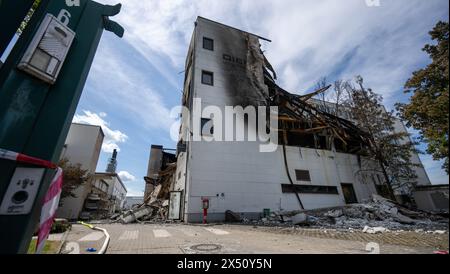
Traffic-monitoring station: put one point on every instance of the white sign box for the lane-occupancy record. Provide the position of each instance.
(22, 191)
(48, 50)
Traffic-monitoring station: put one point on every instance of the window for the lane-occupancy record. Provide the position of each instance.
(309, 189)
(208, 43)
(302, 175)
(207, 78)
(207, 127)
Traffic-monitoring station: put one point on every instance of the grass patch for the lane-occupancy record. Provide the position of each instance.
(51, 247)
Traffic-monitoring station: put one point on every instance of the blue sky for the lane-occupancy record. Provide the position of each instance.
(136, 81)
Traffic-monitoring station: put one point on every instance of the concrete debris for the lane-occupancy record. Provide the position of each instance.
(335, 213)
(299, 219)
(156, 207)
(134, 215)
(375, 216)
(286, 219)
(375, 230)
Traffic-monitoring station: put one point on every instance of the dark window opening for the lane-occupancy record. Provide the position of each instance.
(302, 175)
(339, 146)
(298, 140)
(208, 43)
(300, 135)
(309, 189)
(208, 78)
(181, 147)
(207, 127)
(349, 194)
(383, 190)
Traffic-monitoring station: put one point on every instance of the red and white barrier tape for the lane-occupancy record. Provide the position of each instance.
(22, 158)
(52, 197)
(48, 212)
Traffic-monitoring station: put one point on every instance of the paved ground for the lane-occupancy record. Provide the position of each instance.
(232, 239)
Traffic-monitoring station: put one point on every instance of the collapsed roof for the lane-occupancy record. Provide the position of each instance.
(300, 119)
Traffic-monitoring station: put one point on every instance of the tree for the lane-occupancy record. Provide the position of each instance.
(428, 109)
(74, 177)
(337, 97)
(391, 150)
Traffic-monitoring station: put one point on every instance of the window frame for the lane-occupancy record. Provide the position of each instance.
(309, 189)
(210, 73)
(302, 178)
(203, 123)
(207, 39)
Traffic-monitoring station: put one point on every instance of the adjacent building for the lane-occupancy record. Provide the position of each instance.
(108, 193)
(83, 145)
(104, 193)
(226, 67)
(160, 158)
(114, 193)
(432, 198)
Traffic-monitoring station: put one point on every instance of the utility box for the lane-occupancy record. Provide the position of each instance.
(47, 51)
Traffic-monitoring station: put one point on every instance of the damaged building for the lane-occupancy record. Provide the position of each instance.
(161, 159)
(319, 157)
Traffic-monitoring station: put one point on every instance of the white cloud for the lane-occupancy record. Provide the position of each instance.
(311, 39)
(112, 137)
(128, 89)
(126, 176)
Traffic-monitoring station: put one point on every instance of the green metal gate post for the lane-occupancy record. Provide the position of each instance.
(34, 116)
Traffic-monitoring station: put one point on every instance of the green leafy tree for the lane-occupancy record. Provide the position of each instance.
(74, 177)
(390, 149)
(428, 109)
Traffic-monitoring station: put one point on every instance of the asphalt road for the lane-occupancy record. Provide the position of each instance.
(224, 239)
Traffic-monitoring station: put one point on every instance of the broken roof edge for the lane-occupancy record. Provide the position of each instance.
(221, 24)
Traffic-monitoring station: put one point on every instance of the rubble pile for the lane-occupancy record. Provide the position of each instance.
(377, 216)
(156, 207)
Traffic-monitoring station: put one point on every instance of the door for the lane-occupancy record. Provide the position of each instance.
(349, 194)
(175, 205)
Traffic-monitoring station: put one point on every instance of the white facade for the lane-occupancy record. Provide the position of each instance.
(82, 146)
(433, 198)
(422, 176)
(236, 175)
(116, 191)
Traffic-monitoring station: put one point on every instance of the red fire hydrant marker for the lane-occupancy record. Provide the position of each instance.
(205, 215)
(205, 204)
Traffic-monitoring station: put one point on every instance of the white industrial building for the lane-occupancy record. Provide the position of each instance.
(104, 193)
(83, 145)
(236, 176)
(116, 191)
